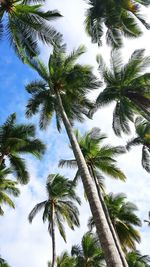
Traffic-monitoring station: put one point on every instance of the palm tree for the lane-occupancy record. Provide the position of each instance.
(25, 23)
(58, 208)
(62, 89)
(135, 259)
(142, 128)
(7, 187)
(119, 17)
(89, 254)
(123, 217)
(127, 86)
(16, 139)
(99, 159)
(65, 260)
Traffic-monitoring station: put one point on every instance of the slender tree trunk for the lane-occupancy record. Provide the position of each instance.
(53, 241)
(1, 159)
(114, 234)
(112, 256)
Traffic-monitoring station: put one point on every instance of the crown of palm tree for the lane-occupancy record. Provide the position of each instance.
(127, 86)
(101, 158)
(7, 187)
(142, 128)
(135, 259)
(65, 260)
(119, 17)
(16, 139)
(89, 253)
(24, 23)
(60, 198)
(73, 81)
(122, 214)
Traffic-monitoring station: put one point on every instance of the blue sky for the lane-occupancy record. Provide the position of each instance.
(30, 245)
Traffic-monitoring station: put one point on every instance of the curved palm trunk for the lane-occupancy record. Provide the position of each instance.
(53, 241)
(115, 237)
(112, 256)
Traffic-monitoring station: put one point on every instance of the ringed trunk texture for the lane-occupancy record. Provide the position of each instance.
(114, 234)
(112, 256)
(53, 241)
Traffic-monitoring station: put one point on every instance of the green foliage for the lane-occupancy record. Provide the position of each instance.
(61, 198)
(72, 80)
(25, 23)
(124, 219)
(15, 140)
(3, 263)
(65, 260)
(99, 158)
(7, 187)
(126, 85)
(142, 128)
(89, 253)
(135, 259)
(119, 17)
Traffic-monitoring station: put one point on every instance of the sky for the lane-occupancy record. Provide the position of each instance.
(22, 244)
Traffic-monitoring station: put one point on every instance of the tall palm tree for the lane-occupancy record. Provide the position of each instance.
(135, 259)
(119, 17)
(142, 128)
(100, 159)
(126, 85)
(59, 207)
(124, 219)
(15, 140)
(62, 89)
(89, 254)
(24, 23)
(7, 187)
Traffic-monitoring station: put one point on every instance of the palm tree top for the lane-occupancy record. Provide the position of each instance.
(120, 18)
(72, 80)
(16, 140)
(128, 86)
(7, 188)
(61, 198)
(26, 23)
(65, 260)
(136, 259)
(89, 253)
(100, 156)
(124, 219)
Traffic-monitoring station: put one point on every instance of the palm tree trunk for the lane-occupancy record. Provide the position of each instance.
(4, 2)
(53, 241)
(115, 237)
(112, 256)
(1, 159)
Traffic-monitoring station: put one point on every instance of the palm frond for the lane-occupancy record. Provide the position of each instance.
(35, 210)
